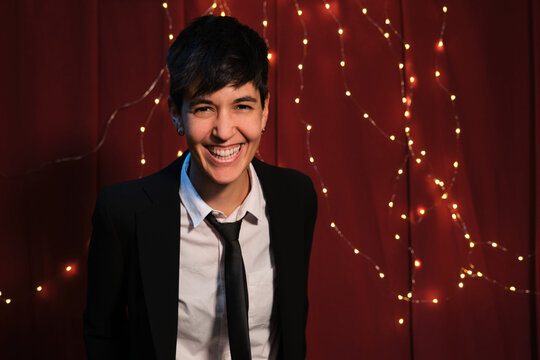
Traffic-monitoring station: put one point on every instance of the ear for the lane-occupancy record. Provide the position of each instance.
(175, 116)
(265, 112)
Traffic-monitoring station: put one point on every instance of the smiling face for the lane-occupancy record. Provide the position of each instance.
(223, 131)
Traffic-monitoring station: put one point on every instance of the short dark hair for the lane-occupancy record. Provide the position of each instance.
(214, 51)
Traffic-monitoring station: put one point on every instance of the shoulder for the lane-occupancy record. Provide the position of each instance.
(284, 182)
(133, 194)
(280, 176)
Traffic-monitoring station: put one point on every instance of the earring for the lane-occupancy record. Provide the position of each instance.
(263, 130)
(180, 132)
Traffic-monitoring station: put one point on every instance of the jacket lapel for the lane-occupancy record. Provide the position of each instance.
(158, 235)
(288, 246)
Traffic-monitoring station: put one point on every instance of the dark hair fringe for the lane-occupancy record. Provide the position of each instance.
(214, 51)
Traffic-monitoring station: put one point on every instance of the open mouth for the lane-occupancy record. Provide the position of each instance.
(224, 153)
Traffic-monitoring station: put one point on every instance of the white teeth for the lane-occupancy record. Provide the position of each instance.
(224, 154)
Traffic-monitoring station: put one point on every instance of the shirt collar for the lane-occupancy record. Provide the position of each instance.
(253, 207)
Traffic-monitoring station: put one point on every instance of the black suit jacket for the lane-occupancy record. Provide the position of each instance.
(132, 298)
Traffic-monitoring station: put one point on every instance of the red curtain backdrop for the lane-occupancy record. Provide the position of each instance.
(67, 66)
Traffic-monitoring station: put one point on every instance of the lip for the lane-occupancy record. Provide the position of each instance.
(226, 161)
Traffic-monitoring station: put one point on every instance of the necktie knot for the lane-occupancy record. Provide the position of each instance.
(228, 231)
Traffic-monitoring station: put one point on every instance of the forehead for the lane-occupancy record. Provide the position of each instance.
(229, 92)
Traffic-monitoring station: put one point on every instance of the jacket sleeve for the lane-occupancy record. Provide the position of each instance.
(105, 321)
(310, 211)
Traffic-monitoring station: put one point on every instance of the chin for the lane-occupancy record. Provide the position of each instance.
(226, 177)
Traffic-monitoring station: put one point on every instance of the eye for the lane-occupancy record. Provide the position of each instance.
(201, 109)
(244, 107)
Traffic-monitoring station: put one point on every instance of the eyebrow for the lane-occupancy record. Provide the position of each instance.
(199, 101)
(245, 99)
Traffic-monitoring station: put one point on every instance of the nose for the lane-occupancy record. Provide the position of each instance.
(224, 126)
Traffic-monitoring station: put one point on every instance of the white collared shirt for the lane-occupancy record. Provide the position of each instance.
(202, 311)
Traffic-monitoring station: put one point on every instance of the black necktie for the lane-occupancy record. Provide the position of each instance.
(236, 293)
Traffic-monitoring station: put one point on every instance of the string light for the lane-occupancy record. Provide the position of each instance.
(39, 288)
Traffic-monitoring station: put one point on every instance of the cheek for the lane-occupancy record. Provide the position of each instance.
(195, 132)
(252, 129)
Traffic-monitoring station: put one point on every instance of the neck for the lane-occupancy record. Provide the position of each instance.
(222, 197)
